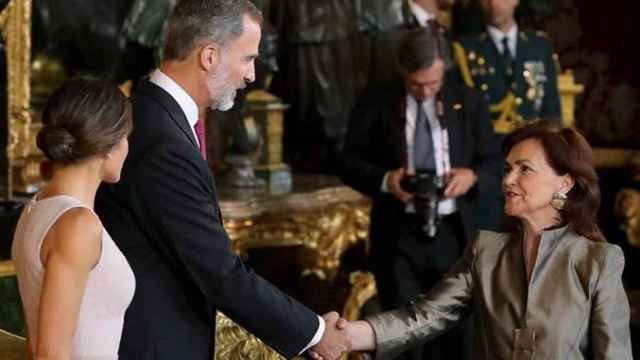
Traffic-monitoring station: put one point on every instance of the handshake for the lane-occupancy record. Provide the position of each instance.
(341, 337)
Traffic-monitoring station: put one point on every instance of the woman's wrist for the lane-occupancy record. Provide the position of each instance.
(362, 336)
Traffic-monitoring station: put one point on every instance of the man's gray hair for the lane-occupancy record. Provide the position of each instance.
(417, 51)
(198, 22)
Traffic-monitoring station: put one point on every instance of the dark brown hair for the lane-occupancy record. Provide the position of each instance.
(567, 152)
(417, 50)
(83, 118)
(195, 22)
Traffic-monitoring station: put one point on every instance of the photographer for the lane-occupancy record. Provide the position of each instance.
(422, 149)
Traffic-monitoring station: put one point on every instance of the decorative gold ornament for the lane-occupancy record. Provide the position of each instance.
(235, 343)
(627, 206)
(22, 153)
(325, 223)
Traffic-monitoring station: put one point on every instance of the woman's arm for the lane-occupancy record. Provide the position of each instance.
(610, 310)
(69, 251)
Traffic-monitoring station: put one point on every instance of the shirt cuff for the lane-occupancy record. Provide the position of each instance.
(316, 338)
(384, 187)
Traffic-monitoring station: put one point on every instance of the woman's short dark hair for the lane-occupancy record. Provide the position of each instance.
(567, 152)
(83, 118)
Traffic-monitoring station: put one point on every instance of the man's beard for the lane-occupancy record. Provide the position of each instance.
(221, 92)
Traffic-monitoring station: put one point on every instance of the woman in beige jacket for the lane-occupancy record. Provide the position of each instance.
(550, 288)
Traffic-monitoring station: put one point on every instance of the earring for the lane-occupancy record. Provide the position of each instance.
(558, 200)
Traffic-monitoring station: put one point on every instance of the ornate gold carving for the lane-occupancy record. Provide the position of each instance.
(12, 347)
(627, 206)
(21, 150)
(235, 343)
(7, 269)
(363, 288)
(325, 222)
(615, 158)
(568, 91)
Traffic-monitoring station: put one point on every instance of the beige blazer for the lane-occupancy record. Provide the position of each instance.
(574, 307)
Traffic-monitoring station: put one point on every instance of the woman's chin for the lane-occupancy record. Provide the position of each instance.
(511, 211)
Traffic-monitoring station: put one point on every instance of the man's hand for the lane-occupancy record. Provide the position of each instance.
(393, 185)
(460, 181)
(360, 336)
(334, 341)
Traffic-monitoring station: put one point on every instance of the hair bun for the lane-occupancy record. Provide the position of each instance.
(56, 143)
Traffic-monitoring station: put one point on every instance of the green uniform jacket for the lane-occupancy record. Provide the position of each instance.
(535, 83)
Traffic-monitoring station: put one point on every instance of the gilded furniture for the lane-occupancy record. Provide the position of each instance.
(568, 91)
(12, 347)
(320, 215)
(22, 154)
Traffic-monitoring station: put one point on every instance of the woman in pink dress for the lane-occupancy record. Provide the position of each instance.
(74, 282)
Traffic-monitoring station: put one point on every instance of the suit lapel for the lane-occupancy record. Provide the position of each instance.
(170, 105)
(399, 122)
(450, 122)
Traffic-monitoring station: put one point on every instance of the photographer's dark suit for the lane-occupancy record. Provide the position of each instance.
(404, 261)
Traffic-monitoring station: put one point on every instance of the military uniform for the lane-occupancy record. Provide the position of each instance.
(528, 92)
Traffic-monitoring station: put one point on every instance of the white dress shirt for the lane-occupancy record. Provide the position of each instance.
(184, 100)
(190, 109)
(421, 15)
(512, 38)
(440, 145)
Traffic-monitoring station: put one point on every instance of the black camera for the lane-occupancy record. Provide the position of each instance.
(427, 189)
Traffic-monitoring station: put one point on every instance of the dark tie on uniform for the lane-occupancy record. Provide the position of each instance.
(507, 59)
(200, 133)
(424, 155)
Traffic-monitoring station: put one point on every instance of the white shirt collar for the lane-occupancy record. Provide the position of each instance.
(184, 100)
(421, 15)
(497, 36)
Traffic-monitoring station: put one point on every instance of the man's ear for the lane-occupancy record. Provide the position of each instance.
(209, 57)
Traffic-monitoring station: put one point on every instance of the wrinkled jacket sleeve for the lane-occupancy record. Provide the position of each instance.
(610, 311)
(431, 315)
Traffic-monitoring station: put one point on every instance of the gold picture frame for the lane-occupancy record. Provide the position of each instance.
(22, 154)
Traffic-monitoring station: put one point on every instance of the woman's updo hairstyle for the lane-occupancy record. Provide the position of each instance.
(83, 118)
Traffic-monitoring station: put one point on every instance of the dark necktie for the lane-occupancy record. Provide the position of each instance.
(200, 133)
(507, 60)
(423, 151)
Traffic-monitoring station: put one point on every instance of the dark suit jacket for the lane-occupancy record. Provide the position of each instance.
(164, 216)
(574, 307)
(375, 144)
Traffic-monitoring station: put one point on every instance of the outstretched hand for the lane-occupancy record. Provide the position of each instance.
(359, 336)
(334, 341)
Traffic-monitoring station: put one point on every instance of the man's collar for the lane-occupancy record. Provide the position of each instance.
(497, 34)
(421, 15)
(186, 102)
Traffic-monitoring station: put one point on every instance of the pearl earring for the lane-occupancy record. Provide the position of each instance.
(558, 200)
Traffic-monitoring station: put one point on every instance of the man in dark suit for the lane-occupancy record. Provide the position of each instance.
(419, 124)
(164, 213)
